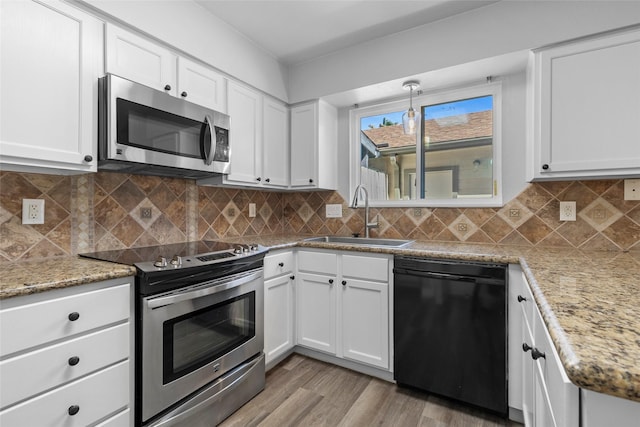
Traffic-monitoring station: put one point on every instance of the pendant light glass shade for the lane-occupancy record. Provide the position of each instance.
(411, 119)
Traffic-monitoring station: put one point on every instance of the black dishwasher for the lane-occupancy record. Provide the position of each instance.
(450, 335)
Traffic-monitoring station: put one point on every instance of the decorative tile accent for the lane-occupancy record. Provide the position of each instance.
(102, 212)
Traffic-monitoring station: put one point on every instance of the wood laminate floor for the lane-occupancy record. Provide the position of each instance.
(305, 392)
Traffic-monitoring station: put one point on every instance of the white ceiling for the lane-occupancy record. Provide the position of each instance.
(298, 30)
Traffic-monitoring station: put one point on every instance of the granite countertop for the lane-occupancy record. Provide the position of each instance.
(30, 277)
(590, 301)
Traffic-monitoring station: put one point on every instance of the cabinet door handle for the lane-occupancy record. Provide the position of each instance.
(537, 354)
(268, 180)
(183, 94)
(73, 361)
(331, 281)
(73, 409)
(310, 181)
(167, 87)
(281, 264)
(292, 277)
(526, 347)
(258, 179)
(344, 283)
(545, 166)
(88, 158)
(74, 316)
(521, 298)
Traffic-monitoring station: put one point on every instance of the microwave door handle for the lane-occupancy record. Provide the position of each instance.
(208, 154)
(218, 286)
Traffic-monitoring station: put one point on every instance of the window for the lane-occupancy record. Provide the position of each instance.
(453, 161)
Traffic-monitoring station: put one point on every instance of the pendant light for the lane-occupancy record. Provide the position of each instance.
(411, 119)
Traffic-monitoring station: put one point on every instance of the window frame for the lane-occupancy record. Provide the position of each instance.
(437, 97)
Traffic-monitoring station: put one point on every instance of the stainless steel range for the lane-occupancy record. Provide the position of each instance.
(199, 330)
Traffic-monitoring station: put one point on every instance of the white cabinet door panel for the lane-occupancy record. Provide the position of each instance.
(51, 59)
(365, 322)
(275, 158)
(201, 85)
(278, 317)
(140, 60)
(316, 312)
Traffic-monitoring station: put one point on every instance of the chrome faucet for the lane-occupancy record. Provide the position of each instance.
(367, 225)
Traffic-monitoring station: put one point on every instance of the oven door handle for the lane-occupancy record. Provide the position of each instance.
(201, 292)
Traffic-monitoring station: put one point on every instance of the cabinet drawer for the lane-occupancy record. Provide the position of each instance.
(365, 267)
(97, 396)
(318, 262)
(32, 373)
(277, 264)
(563, 394)
(122, 419)
(34, 324)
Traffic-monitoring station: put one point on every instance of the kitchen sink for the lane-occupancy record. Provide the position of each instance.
(361, 241)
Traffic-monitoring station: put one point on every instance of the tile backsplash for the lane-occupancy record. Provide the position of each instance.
(106, 211)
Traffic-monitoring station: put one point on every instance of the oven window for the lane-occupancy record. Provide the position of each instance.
(151, 129)
(195, 339)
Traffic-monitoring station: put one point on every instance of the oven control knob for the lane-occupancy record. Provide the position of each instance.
(237, 250)
(253, 247)
(160, 262)
(176, 260)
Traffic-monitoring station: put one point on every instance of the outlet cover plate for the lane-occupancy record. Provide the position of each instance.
(567, 211)
(33, 211)
(333, 211)
(632, 189)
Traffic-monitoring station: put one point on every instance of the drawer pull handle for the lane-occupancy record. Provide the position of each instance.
(74, 316)
(281, 264)
(167, 87)
(292, 277)
(344, 283)
(537, 354)
(331, 281)
(73, 409)
(73, 361)
(526, 347)
(545, 167)
(183, 94)
(521, 298)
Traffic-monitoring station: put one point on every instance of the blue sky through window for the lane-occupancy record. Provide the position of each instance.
(436, 111)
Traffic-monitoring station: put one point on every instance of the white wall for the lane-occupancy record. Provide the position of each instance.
(514, 90)
(189, 27)
(500, 28)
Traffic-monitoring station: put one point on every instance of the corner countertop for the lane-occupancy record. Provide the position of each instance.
(590, 301)
(30, 277)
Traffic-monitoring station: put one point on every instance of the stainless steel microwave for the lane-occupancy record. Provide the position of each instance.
(145, 131)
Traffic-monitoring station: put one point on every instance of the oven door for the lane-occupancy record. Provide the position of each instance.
(192, 336)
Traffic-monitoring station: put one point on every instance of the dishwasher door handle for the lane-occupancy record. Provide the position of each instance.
(434, 275)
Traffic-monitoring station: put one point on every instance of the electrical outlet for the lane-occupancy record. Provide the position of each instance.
(567, 211)
(333, 211)
(252, 210)
(632, 189)
(33, 211)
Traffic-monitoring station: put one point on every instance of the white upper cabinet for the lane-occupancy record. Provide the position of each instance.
(314, 136)
(586, 109)
(259, 140)
(140, 60)
(51, 61)
(275, 152)
(201, 85)
(143, 61)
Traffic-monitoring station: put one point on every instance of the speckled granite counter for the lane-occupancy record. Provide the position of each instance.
(590, 301)
(30, 277)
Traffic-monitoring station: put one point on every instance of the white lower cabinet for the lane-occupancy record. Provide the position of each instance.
(343, 305)
(278, 304)
(65, 357)
(602, 410)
